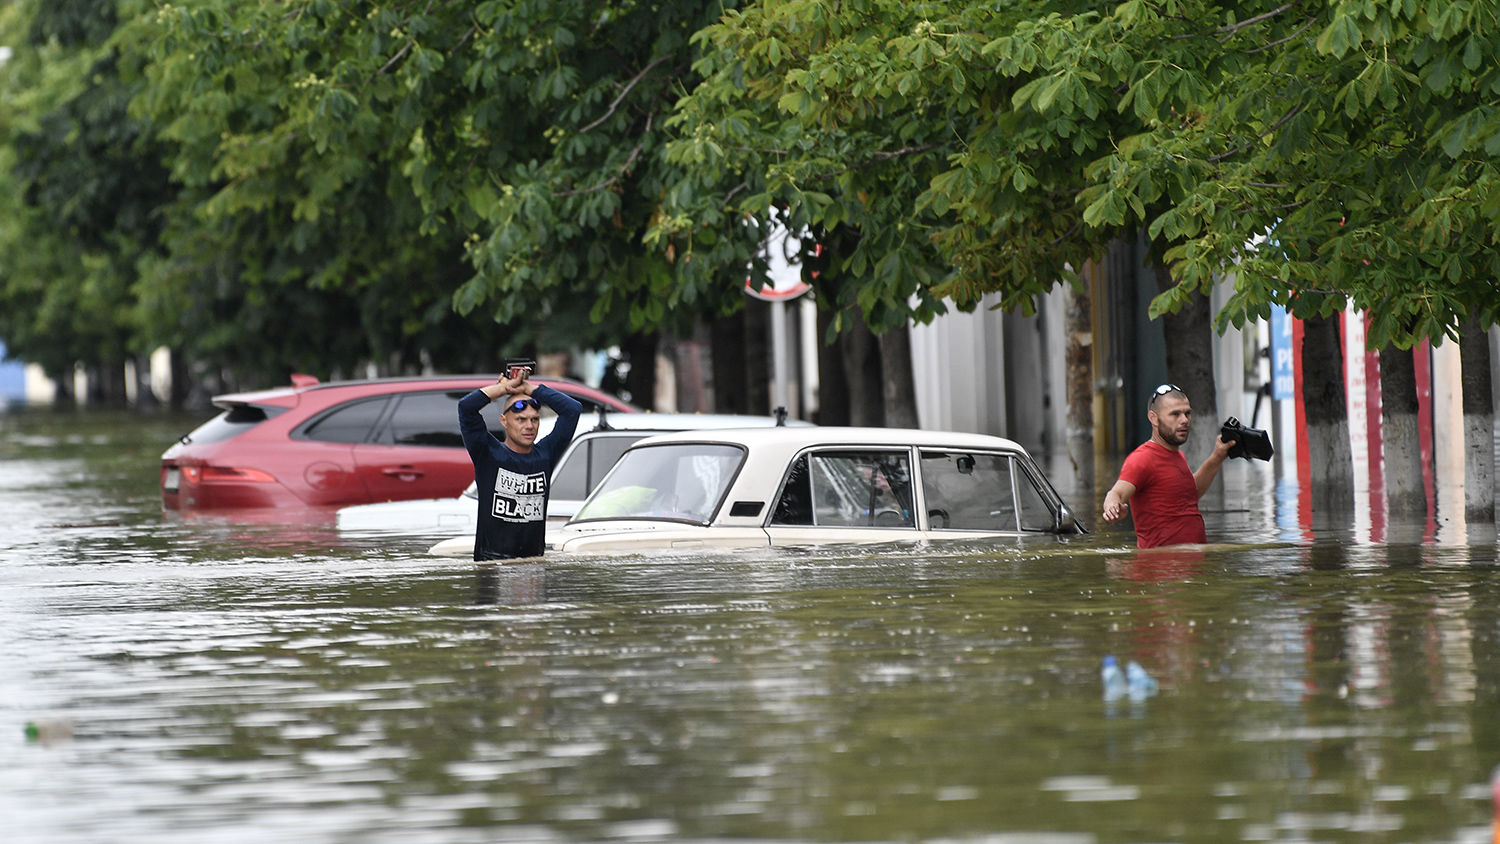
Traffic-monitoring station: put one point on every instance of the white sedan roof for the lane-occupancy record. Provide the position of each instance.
(651, 420)
(789, 439)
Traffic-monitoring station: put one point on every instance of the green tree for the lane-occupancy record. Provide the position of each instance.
(80, 193)
(1361, 131)
(296, 243)
(380, 147)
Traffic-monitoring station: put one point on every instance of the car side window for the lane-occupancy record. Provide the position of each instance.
(1036, 512)
(349, 423)
(426, 419)
(847, 489)
(969, 491)
(571, 479)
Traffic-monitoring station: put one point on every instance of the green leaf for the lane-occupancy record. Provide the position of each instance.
(1341, 35)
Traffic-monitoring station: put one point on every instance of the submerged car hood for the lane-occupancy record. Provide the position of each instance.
(614, 535)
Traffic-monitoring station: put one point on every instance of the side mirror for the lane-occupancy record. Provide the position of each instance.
(1065, 521)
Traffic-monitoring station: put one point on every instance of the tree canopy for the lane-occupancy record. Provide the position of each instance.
(1359, 137)
(263, 185)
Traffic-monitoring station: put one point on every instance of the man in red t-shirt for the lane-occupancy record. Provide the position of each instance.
(1156, 478)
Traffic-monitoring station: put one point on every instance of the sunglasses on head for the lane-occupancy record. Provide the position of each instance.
(1164, 389)
(521, 404)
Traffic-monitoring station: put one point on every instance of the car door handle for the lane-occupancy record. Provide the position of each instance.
(402, 473)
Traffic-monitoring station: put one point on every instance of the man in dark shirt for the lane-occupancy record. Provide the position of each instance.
(513, 476)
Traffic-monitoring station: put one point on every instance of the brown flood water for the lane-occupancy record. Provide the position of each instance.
(215, 680)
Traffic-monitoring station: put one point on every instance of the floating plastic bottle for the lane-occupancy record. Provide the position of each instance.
(1115, 684)
(1139, 684)
(49, 731)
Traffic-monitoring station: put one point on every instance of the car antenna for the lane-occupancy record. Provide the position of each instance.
(780, 414)
(603, 421)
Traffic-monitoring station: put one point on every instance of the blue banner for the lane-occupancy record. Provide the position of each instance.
(1282, 385)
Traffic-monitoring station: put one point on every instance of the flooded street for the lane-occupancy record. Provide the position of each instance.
(204, 680)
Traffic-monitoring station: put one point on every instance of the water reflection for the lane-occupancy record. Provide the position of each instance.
(512, 584)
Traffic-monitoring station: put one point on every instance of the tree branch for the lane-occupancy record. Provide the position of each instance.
(881, 155)
(1277, 43)
(395, 58)
(634, 154)
(1068, 235)
(1277, 125)
(1236, 27)
(410, 44)
(461, 41)
(629, 85)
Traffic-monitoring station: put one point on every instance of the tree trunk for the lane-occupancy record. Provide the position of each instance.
(1328, 449)
(62, 395)
(640, 382)
(694, 393)
(107, 383)
(755, 356)
(1079, 358)
(181, 378)
(1479, 424)
(833, 380)
(145, 397)
(1190, 365)
(728, 363)
(900, 389)
(860, 351)
(1401, 446)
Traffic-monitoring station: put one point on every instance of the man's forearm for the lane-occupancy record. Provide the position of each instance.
(1204, 477)
(506, 387)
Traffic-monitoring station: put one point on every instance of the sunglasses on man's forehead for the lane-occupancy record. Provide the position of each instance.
(521, 404)
(1164, 389)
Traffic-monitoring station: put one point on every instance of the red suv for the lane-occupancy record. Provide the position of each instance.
(348, 442)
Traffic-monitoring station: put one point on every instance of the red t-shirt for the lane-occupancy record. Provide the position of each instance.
(1165, 504)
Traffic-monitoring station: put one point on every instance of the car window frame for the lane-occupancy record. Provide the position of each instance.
(1011, 461)
(1056, 504)
(386, 427)
(913, 479)
(300, 432)
(1020, 465)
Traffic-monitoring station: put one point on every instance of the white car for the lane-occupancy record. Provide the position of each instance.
(583, 465)
(802, 486)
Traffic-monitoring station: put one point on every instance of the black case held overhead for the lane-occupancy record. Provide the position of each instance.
(1248, 442)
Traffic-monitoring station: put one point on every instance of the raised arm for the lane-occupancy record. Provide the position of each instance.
(567, 409)
(1204, 477)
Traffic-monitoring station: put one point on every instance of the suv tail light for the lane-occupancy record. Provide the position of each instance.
(230, 473)
(221, 474)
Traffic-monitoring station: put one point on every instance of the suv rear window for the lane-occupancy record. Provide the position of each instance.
(231, 423)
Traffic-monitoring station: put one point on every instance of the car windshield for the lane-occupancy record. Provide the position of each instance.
(682, 481)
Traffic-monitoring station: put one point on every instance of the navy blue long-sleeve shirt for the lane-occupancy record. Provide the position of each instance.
(513, 487)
